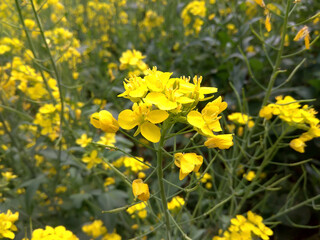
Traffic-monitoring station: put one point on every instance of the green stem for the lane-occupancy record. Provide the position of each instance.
(160, 179)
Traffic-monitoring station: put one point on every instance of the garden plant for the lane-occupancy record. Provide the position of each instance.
(159, 119)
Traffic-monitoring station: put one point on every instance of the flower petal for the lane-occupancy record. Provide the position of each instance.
(127, 119)
(151, 132)
(157, 116)
(195, 119)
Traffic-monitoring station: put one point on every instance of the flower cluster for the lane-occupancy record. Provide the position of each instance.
(132, 60)
(302, 117)
(176, 203)
(192, 16)
(49, 233)
(138, 209)
(95, 229)
(7, 226)
(243, 228)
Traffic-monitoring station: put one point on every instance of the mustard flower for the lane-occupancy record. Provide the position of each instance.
(207, 121)
(95, 229)
(135, 88)
(298, 145)
(49, 233)
(83, 141)
(105, 121)
(241, 119)
(176, 203)
(303, 33)
(138, 209)
(249, 176)
(111, 236)
(7, 226)
(132, 163)
(92, 159)
(140, 190)
(108, 139)
(187, 163)
(145, 118)
(222, 141)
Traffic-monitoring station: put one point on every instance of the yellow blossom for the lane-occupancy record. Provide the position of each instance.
(303, 33)
(207, 121)
(298, 145)
(222, 141)
(7, 226)
(92, 159)
(176, 203)
(145, 118)
(134, 164)
(83, 141)
(249, 176)
(105, 121)
(138, 209)
(95, 229)
(187, 163)
(140, 190)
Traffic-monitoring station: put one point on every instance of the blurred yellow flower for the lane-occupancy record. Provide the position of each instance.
(105, 121)
(176, 203)
(92, 160)
(140, 190)
(95, 229)
(7, 226)
(222, 141)
(83, 141)
(187, 163)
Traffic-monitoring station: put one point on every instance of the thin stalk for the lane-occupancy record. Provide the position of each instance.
(160, 180)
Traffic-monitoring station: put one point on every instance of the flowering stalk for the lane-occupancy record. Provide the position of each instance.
(160, 178)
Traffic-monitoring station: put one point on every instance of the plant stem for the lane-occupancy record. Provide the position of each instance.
(160, 179)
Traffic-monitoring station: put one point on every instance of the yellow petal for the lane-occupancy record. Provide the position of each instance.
(127, 119)
(195, 119)
(157, 116)
(161, 101)
(94, 119)
(151, 132)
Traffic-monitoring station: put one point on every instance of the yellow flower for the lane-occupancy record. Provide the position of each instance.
(303, 33)
(112, 236)
(249, 176)
(49, 233)
(95, 229)
(260, 2)
(140, 190)
(7, 226)
(298, 145)
(8, 175)
(83, 141)
(267, 22)
(187, 163)
(135, 88)
(92, 160)
(241, 119)
(208, 120)
(223, 141)
(266, 112)
(108, 139)
(105, 121)
(145, 118)
(109, 181)
(139, 209)
(132, 163)
(176, 203)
